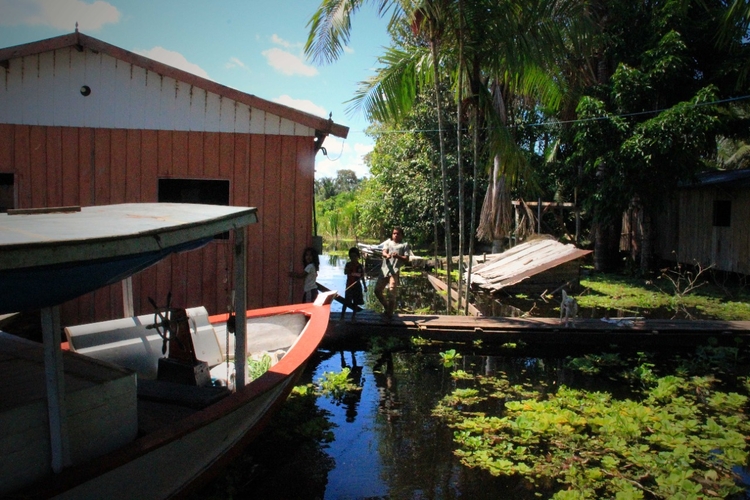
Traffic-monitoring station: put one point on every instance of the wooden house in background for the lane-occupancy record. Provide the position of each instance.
(83, 122)
(707, 223)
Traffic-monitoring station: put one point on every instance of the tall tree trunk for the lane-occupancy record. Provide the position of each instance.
(474, 192)
(459, 133)
(495, 220)
(606, 245)
(443, 171)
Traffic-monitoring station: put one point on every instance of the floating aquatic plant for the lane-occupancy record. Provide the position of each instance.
(681, 438)
(450, 357)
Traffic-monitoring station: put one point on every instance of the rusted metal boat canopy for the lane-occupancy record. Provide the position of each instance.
(523, 261)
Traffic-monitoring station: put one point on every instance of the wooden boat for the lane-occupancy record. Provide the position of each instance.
(85, 422)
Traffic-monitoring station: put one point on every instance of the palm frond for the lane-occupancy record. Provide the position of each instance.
(389, 94)
(330, 28)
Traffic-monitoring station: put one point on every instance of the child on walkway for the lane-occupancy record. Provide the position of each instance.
(311, 264)
(355, 273)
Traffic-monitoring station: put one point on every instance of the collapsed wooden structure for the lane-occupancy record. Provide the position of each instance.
(535, 266)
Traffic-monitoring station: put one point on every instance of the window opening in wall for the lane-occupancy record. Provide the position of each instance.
(209, 192)
(7, 198)
(722, 216)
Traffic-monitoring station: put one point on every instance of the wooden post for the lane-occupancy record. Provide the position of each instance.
(240, 307)
(127, 298)
(55, 382)
(539, 217)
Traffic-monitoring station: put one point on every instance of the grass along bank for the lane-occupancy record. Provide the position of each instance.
(685, 296)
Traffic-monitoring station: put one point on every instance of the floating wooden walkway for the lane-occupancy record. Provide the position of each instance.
(592, 331)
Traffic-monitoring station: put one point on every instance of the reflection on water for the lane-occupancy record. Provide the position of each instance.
(415, 292)
(386, 442)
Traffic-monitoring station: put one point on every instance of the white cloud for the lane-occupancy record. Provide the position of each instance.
(175, 59)
(284, 43)
(59, 14)
(235, 62)
(287, 63)
(302, 105)
(341, 156)
(363, 149)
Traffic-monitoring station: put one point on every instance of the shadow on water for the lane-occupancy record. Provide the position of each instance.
(385, 441)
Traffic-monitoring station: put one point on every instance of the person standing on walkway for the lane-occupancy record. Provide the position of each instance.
(396, 253)
(311, 265)
(355, 282)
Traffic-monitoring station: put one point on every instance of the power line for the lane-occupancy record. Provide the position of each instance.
(580, 120)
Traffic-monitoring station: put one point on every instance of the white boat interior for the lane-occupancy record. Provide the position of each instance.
(101, 410)
(111, 391)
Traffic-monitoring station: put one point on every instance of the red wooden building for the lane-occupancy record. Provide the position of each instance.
(83, 122)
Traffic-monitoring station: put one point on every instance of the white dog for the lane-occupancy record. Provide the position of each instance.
(568, 308)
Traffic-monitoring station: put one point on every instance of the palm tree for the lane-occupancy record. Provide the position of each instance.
(330, 29)
(506, 51)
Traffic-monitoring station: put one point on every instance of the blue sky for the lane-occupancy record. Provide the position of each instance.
(251, 45)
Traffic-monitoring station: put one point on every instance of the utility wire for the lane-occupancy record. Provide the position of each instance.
(561, 122)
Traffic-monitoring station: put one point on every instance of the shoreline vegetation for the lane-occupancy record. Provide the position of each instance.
(675, 292)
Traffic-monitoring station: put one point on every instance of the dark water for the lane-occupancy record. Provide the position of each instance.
(383, 442)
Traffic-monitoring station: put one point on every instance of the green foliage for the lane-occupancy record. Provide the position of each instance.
(338, 216)
(592, 364)
(337, 385)
(639, 295)
(450, 357)
(257, 367)
(681, 440)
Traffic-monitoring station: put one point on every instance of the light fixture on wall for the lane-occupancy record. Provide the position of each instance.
(85, 91)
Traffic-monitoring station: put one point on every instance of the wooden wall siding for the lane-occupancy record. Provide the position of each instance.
(688, 223)
(44, 89)
(84, 166)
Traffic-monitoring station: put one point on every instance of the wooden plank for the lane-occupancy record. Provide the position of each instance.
(37, 162)
(304, 195)
(102, 156)
(290, 243)
(441, 286)
(195, 156)
(180, 154)
(7, 149)
(118, 165)
(534, 258)
(22, 162)
(165, 162)
(549, 330)
(70, 166)
(86, 166)
(146, 282)
(225, 164)
(225, 159)
(210, 296)
(53, 166)
(274, 222)
(249, 176)
(133, 174)
(149, 167)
